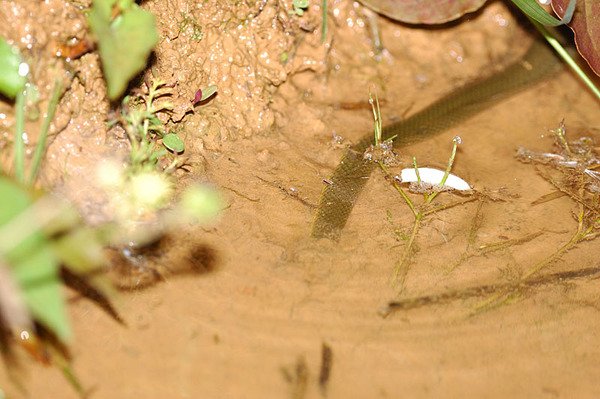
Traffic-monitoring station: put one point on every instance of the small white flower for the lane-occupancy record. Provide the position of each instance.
(150, 190)
(433, 177)
(110, 174)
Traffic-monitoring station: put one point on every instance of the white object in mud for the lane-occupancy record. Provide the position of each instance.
(433, 177)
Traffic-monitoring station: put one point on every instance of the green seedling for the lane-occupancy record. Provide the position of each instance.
(150, 142)
(189, 24)
(300, 7)
(428, 181)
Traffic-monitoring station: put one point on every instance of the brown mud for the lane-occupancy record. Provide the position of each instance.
(274, 313)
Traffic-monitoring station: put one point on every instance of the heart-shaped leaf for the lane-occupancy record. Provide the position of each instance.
(586, 25)
(123, 43)
(423, 11)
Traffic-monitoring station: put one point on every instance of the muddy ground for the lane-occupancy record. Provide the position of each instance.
(254, 323)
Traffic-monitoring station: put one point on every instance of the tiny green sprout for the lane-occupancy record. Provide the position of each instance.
(284, 57)
(300, 7)
(455, 142)
(561, 135)
(377, 125)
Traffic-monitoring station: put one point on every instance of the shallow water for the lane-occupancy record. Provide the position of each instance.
(275, 295)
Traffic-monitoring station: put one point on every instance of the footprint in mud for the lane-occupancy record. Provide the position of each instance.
(142, 267)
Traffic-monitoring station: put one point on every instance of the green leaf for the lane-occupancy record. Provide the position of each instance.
(11, 82)
(124, 44)
(34, 266)
(173, 142)
(536, 12)
(208, 91)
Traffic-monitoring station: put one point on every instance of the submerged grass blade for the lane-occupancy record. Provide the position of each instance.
(19, 145)
(41, 144)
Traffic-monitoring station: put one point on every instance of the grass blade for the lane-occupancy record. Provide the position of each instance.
(534, 11)
(19, 145)
(40, 148)
(324, 21)
(562, 52)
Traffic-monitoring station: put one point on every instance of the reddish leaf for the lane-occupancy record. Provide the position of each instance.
(424, 11)
(586, 25)
(197, 97)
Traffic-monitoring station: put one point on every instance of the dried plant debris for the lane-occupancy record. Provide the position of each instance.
(382, 152)
(571, 167)
(576, 160)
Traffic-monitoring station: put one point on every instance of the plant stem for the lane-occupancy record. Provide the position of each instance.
(400, 190)
(579, 235)
(401, 269)
(456, 141)
(19, 145)
(562, 52)
(324, 21)
(41, 144)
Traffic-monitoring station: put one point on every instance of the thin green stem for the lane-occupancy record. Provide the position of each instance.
(416, 170)
(401, 269)
(577, 237)
(562, 52)
(40, 148)
(377, 125)
(400, 190)
(19, 144)
(456, 142)
(324, 21)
